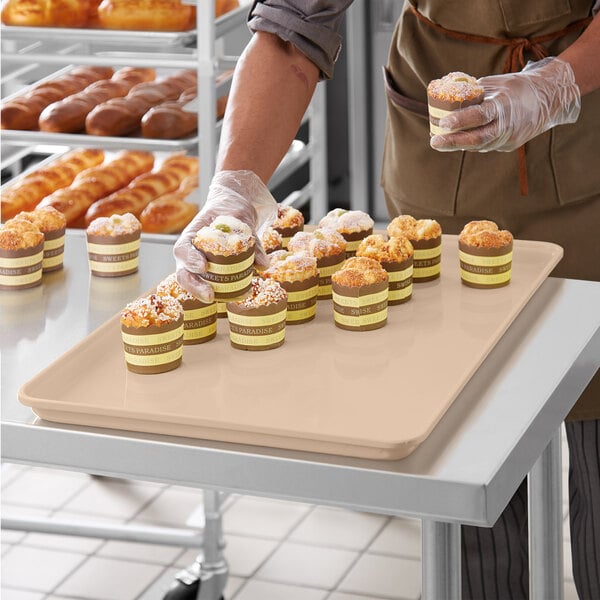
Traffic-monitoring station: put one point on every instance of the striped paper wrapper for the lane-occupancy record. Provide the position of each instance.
(327, 266)
(54, 250)
(439, 108)
(260, 328)
(301, 300)
(485, 268)
(287, 233)
(199, 321)
(354, 239)
(360, 308)
(21, 269)
(230, 276)
(427, 259)
(153, 349)
(113, 256)
(400, 280)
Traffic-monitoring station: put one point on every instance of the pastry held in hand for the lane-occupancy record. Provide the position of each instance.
(485, 254)
(452, 92)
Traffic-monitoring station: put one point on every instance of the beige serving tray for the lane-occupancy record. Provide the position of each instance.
(374, 394)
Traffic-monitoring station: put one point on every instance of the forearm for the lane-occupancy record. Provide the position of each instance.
(271, 89)
(584, 57)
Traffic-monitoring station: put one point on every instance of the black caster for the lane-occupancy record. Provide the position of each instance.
(185, 587)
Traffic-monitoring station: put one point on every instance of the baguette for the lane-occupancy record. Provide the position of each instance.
(23, 112)
(94, 183)
(68, 115)
(27, 191)
(168, 214)
(121, 116)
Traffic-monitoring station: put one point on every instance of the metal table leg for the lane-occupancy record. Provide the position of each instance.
(440, 561)
(545, 524)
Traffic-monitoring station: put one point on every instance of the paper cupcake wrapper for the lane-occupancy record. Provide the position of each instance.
(353, 241)
(221, 310)
(21, 269)
(287, 233)
(327, 266)
(485, 268)
(230, 276)
(154, 349)
(301, 300)
(438, 109)
(113, 256)
(261, 328)
(400, 276)
(54, 250)
(360, 308)
(278, 247)
(427, 259)
(199, 321)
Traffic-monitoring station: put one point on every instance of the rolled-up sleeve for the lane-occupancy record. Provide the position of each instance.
(311, 25)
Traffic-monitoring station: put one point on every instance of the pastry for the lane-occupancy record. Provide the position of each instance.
(426, 237)
(46, 13)
(152, 333)
(271, 240)
(113, 245)
(299, 277)
(199, 318)
(360, 295)
(328, 247)
(452, 92)
(52, 224)
(144, 15)
(288, 222)
(228, 245)
(396, 257)
(258, 321)
(485, 254)
(354, 225)
(21, 255)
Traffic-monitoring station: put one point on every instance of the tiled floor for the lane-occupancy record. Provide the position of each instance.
(275, 550)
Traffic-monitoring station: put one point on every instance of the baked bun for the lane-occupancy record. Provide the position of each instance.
(144, 15)
(224, 6)
(46, 13)
(168, 214)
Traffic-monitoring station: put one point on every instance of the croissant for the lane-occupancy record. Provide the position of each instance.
(144, 15)
(168, 214)
(23, 111)
(27, 191)
(68, 115)
(46, 13)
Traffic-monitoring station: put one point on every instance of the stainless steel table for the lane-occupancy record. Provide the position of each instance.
(503, 426)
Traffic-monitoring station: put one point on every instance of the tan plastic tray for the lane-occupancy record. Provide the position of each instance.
(374, 394)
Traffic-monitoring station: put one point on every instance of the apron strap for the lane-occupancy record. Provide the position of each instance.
(515, 59)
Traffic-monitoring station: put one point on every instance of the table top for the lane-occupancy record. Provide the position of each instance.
(465, 471)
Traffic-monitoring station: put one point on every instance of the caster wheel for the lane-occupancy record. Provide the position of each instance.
(185, 587)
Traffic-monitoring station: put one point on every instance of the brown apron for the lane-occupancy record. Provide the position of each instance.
(563, 174)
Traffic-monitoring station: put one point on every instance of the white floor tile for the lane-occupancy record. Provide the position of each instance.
(264, 590)
(263, 518)
(343, 596)
(108, 579)
(401, 537)
(384, 576)
(338, 528)
(50, 568)
(9, 471)
(172, 507)
(310, 566)
(43, 488)
(20, 595)
(148, 553)
(4, 548)
(113, 498)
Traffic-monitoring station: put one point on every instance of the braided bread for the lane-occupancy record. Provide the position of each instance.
(94, 183)
(25, 193)
(23, 111)
(68, 115)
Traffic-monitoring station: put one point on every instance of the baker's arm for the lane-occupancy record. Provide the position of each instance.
(519, 106)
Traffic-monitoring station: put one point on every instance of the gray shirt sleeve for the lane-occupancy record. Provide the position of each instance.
(311, 25)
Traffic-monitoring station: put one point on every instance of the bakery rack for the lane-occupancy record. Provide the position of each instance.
(33, 53)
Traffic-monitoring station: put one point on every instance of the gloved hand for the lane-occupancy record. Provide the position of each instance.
(240, 194)
(516, 108)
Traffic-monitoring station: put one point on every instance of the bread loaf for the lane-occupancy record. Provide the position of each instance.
(68, 115)
(144, 15)
(224, 6)
(121, 116)
(27, 191)
(168, 214)
(94, 183)
(22, 112)
(169, 120)
(46, 13)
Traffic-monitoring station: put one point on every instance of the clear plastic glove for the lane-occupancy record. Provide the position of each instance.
(516, 108)
(240, 194)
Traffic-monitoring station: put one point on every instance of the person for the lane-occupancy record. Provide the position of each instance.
(527, 158)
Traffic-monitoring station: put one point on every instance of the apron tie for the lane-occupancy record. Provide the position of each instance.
(515, 60)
